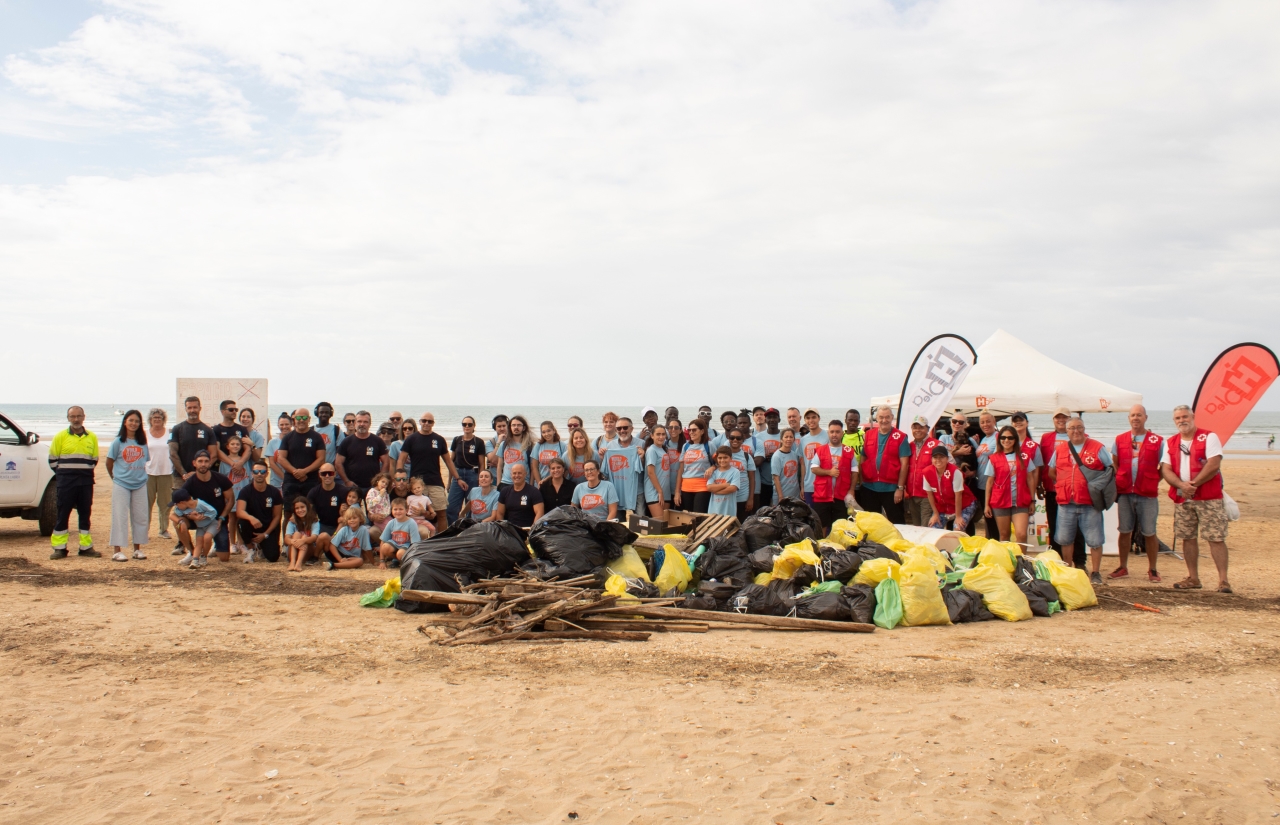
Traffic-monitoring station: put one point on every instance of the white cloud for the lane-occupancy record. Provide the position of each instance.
(586, 201)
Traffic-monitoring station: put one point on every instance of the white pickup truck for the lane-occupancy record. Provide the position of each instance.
(26, 481)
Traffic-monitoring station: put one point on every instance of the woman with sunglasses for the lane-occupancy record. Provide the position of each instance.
(574, 423)
(741, 461)
(1011, 483)
(470, 457)
(597, 496)
(695, 460)
(403, 430)
(675, 443)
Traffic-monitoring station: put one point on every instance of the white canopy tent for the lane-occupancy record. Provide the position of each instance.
(1011, 376)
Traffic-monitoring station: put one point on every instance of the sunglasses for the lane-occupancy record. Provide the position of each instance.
(259, 472)
(326, 475)
(233, 409)
(733, 438)
(465, 424)
(624, 429)
(426, 421)
(1008, 438)
(302, 418)
(348, 421)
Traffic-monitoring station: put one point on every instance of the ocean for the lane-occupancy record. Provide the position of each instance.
(104, 419)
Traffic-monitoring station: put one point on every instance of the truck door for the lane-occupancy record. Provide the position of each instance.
(19, 466)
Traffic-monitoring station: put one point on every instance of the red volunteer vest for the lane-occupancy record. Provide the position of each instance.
(827, 488)
(1210, 489)
(823, 488)
(889, 465)
(1032, 449)
(1147, 484)
(1047, 447)
(944, 495)
(845, 480)
(1000, 484)
(920, 461)
(1071, 487)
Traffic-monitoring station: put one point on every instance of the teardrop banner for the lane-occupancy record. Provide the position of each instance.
(934, 377)
(1235, 381)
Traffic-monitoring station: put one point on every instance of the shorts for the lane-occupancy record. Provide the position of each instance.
(1006, 512)
(331, 529)
(207, 528)
(1140, 511)
(1083, 517)
(348, 554)
(439, 498)
(1207, 517)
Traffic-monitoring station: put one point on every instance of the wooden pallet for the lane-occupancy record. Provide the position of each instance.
(706, 529)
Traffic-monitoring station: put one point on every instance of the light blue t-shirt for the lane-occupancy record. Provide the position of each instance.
(660, 460)
(238, 477)
(623, 466)
(267, 452)
(256, 439)
(695, 459)
(542, 455)
(481, 506)
(199, 511)
(350, 544)
(595, 500)
(673, 454)
(742, 463)
(725, 504)
(808, 445)
(329, 433)
(291, 528)
(987, 447)
(786, 466)
(130, 469)
(393, 452)
(401, 534)
(512, 454)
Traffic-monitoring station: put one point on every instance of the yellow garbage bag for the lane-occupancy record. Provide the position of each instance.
(793, 557)
(844, 533)
(674, 573)
(1072, 583)
(877, 570)
(1000, 595)
(899, 546)
(629, 565)
(876, 527)
(940, 562)
(973, 544)
(996, 554)
(762, 579)
(616, 585)
(922, 602)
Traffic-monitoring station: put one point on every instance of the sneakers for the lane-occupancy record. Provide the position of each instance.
(196, 564)
(1095, 579)
(1153, 576)
(236, 549)
(1119, 573)
(179, 550)
(90, 553)
(60, 553)
(187, 560)
(120, 556)
(248, 555)
(139, 555)
(165, 535)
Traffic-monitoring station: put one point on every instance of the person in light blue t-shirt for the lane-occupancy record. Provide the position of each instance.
(350, 545)
(548, 447)
(482, 499)
(785, 466)
(596, 495)
(741, 461)
(127, 465)
(816, 439)
(284, 426)
(657, 473)
(722, 483)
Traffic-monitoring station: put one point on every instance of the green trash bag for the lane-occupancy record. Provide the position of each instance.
(825, 587)
(384, 596)
(1042, 571)
(888, 605)
(954, 576)
(1055, 607)
(962, 560)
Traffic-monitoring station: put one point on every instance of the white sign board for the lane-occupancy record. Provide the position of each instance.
(248, 393)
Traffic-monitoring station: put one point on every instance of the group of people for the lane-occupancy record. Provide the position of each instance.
(352, 495)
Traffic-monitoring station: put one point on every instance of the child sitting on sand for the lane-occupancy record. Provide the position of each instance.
(352, 500)
(400, 532)
(350, 542)
(420, 509)
(377, 502)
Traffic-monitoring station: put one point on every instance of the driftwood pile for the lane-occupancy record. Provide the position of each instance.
(525, 608)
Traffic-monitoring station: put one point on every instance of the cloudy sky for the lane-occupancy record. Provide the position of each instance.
(577, 202)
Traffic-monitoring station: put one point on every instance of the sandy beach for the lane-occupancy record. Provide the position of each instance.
(141, 692)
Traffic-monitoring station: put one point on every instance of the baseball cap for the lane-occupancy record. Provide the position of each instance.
(921, 420)
(1018, 415)
(757, 409)
(811, 410)
(648, 410)
(773, 411)
(199, 453)
(180, 495)
(1062, 411)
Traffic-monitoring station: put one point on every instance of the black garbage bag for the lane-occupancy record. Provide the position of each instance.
(761, 560)
(797, 511)
(722, 592)
(724, 558)
(729, 569)
(1045, 589)
(461, 523)
(831, 607)
(760, 530)
(480, 551)
(1024, 570)
(862, 602)
(806, 575)
(698, 601)
(1039, 607)
(642, 589)
(870, 550)
(762, 601)
(965, 606)
(840, 565)
(578, 541)
(541, 568)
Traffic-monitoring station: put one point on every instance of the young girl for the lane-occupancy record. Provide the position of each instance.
(482, 500)
(602, 442)
(352, 500)
(785, 467)
(722, 483)
(579, 451)
(596, 496)
(675, 443)
(237, 471)
(399, 534)
(1010, 491)
(420, 509)
(695, 461)
(351, 542)
(302, 534)
(516, 447)
(548, 447)
(378, 502)
(657, 472)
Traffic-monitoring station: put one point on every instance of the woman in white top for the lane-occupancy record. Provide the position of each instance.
(159, 470)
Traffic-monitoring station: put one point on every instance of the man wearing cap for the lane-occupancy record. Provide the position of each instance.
(1075, 503)
(213, 489)
(1049, 446)
(918, 511)
(1137, 455)
(884, 468)
(809, 445)
(73, 456)
(1191, 464)
(649, 416)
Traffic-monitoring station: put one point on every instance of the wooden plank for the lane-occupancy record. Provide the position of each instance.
(656, 626)
(598, 635)
(439, 597)
(738, 618)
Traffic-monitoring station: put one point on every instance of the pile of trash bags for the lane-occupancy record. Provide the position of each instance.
(461, 555)
(863, 570)
(576, 543)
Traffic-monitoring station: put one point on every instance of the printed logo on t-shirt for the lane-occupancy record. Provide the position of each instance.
(351, 543)
(217, 491)
(524, 501)
(308, 442)
(267, 501)
(579, 467)
(810, 449)
(400, 536)
(590, 501)
(324, 436)
(789, 469)
(199, 433)
(512, 455)
(368, 451)
(237, 474)
(666, 461)
(545, 456)
(771, 446)
(693, 455)
(736, 463)
(131, 454)
(617, 463)
(478, 506)
(333, 501)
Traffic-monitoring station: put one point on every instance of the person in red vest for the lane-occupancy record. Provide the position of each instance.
(1075, 505)
(1049, 446)
(1011, 478)
(918, 510)
(1137, 455)
(833, 470)
(950, 499)
(884, 467)
(1191, 464)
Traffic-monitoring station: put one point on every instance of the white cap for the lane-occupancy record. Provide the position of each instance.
(647, 410)
(921, 420)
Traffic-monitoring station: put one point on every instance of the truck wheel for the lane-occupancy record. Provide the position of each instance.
(48, 510)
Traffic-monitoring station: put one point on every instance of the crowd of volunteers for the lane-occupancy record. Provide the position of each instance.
(351, 495)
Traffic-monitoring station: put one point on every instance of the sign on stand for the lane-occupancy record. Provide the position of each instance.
(248, 393)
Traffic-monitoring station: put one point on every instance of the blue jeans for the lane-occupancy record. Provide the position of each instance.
(457, 495)
(1081, 517)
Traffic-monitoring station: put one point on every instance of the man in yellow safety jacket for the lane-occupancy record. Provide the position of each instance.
(73, 455)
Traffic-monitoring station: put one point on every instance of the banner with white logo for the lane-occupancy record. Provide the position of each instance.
(934, 378)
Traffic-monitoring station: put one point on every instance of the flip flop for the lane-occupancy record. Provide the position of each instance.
(1225, 588)
(1188, 584)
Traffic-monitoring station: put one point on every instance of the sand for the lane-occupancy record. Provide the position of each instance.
(141, 692)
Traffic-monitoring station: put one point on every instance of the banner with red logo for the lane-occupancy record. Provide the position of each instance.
(934, 377)
(1235, 381)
